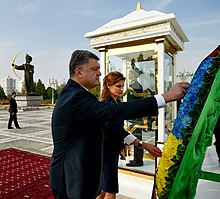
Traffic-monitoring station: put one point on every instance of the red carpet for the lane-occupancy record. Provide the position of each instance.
(24, 175)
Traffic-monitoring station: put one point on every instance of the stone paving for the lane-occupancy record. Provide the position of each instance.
(35, 136)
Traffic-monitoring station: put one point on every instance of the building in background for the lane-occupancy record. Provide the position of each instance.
(21, 85)
(8, 84)
(53, 83)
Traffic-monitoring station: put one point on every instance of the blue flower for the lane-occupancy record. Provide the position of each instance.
(183, 119)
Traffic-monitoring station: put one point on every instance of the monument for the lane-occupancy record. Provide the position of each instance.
(152, 39)
(29, 98)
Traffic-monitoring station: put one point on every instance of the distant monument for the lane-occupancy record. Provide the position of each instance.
(30, 97)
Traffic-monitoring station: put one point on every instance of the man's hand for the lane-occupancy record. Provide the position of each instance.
(152, 149)
(177, 92)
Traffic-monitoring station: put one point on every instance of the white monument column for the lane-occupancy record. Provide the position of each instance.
(102, 60)
(160, 87)
(174, 82)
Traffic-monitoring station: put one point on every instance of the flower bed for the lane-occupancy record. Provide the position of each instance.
(25, 108)
(187, 117)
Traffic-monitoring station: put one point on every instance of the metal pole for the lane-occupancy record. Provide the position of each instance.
(52, 96)
(52, 85)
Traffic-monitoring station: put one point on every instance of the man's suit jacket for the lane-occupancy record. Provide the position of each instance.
(76, 161)
(13, 106)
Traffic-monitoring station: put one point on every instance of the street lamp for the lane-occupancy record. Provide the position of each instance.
(52, 85)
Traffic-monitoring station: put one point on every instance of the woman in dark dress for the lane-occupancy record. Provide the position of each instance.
(114, 137)
(113, 87)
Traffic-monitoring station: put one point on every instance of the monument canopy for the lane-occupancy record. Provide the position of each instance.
(144, 24)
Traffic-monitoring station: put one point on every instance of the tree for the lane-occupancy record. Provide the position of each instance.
(23, 89)
(2, 94)
(48, 93)
(96, 91)
(183, 76)
(40, 88)
(59, 89)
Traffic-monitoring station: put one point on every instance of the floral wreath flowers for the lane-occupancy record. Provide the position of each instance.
(185, 122)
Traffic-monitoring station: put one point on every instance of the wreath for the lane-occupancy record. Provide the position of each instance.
(185, 123)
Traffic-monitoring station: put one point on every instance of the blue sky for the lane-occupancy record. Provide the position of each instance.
(50, 30)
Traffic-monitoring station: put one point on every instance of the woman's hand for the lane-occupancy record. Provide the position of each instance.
(152, 149)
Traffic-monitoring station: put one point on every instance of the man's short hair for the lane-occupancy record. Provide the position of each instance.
(13, 93)
(79, 58)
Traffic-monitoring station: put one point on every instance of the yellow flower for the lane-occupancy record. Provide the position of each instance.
(165, 162)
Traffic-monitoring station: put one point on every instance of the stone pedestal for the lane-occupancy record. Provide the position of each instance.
(28, 100)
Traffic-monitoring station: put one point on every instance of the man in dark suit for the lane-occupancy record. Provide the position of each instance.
(76, 163)
(13, 112)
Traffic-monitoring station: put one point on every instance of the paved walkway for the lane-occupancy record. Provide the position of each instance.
(35, 136)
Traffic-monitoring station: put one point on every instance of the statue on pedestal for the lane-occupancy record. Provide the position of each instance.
(28, 74)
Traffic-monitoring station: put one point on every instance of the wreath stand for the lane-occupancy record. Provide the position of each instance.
(189, 172)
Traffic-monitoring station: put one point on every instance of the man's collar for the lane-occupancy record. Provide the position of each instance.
(83, 86)
(78, 83)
